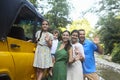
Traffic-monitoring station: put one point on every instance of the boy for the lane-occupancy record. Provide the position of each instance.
(54, 46)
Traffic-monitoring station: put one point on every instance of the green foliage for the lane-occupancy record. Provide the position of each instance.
(58, 14)
(33, 2)
(109, 31)
(81, 24)
(106, 7)
(109, 23)
(109, 4)
(29, 28)
(116, 53)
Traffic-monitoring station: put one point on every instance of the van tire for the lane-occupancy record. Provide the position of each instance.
(4, 77)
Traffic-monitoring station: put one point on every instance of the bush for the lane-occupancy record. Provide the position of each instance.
(116, 53)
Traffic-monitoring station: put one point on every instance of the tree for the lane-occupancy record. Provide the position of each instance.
(58, 14)
(80, 24)
(104, 7)
(109, 32)
(33, 2)
(109, 23)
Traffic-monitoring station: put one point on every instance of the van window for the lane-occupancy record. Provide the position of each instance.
(30, 28)
(25, 30)
(17, 32)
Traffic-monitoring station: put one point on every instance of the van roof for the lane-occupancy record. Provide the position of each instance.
(12, 11)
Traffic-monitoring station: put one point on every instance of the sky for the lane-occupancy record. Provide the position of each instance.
(80, 6)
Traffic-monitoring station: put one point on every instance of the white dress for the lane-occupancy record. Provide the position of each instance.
(74, 70)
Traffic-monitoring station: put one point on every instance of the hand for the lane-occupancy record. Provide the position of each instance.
(96, 40)
(47, 38)
(76, 50)
(79, 56)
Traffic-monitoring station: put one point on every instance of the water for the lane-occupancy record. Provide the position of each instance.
(108, 74)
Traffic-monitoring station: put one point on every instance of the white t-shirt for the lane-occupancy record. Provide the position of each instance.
(54, 46)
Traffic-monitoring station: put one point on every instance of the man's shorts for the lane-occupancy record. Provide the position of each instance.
(91, 76)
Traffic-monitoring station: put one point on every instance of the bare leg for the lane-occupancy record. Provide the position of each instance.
(50, 71)
(40, 74)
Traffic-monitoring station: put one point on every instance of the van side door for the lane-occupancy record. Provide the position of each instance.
(23, 55)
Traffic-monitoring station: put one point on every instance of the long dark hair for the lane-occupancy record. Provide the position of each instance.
(42, 29)
(68, 45)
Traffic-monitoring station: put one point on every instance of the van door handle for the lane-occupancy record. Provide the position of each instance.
(14, 46)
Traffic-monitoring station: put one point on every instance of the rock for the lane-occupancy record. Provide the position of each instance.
(107, 64)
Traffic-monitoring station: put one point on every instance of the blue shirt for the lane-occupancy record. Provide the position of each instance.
(89, 62)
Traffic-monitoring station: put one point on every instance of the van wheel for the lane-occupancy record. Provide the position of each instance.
(4, 77)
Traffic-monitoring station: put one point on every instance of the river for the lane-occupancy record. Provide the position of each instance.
(108, 74)
(107, 70)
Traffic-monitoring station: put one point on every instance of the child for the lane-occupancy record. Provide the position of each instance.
(43, 59)
(54, 47)
(54, 44)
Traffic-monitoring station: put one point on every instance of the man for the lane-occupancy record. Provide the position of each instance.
(89, 68)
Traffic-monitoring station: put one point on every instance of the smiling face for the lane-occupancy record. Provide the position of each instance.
(55, 35)
(65, 36)
(81, 36)
(74, 37)
(45, 25)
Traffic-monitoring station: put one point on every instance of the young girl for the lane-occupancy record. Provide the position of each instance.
(42, 59)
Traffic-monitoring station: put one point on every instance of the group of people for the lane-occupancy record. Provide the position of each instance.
(72, 58)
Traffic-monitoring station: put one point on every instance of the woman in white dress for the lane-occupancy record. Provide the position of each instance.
(74, 70)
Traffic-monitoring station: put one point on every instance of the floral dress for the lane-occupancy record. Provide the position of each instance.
(42, 58)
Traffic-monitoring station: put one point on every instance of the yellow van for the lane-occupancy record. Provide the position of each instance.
(16, 48)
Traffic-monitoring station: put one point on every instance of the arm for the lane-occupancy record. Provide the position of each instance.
(49, 43)
(99, 48)
(79, 57)
(49, 39)
(71, 59)
(80, 53)
(37, 36)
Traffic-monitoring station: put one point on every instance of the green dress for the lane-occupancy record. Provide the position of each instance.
(60, 66)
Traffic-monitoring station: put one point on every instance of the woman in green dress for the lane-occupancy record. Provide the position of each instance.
(62, 56)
